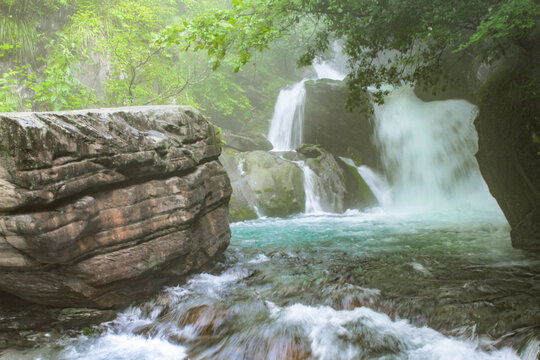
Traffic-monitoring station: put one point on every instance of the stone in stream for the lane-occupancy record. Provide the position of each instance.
(339, 185)
(263, 180)
(101, 207)
(277, 184)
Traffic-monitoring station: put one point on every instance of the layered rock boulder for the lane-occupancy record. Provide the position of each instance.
(100, 207)
(245, 142)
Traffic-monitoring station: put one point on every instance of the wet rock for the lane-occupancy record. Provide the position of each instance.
(100, 207)
(508, 129)
(311, 151)
(264, 181)
(340, 131)
(206, 319)
(277, 184)
(245, 142)
(338, 185)
(243, 199)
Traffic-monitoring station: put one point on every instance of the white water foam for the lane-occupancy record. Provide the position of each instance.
(313, 199)
(125, 347)
(259, 259)
(427, 151)
(362, 332)
(376, 182)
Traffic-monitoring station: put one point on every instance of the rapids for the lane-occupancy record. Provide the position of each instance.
(372, 285)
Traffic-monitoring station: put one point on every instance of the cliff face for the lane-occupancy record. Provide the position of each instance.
(508, 127)
(99, 207)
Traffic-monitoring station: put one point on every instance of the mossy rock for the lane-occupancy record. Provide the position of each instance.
(241, 213)
(360, 195)
(278, 184)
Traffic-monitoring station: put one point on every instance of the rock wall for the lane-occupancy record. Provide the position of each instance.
(100, 207)
(508, 127)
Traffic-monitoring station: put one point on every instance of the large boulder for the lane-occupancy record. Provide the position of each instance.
(99, 207)
(342, 132)
(243, 199)
(263, 183)
(278, 184)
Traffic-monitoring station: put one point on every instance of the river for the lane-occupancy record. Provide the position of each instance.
(371, 285)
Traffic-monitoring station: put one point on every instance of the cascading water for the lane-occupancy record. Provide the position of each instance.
(376, 183)
(286, 126)
(313, 200)
(285, 132)
(427, 150)
(358, 285)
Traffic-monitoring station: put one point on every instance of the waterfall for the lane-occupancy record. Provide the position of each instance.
(427, 151)
(286, 126)
(313, 200)
(287, 121)
(328, 70)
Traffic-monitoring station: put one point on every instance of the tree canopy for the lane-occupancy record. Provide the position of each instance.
(387, 41)
(71, 54)
(67, 54)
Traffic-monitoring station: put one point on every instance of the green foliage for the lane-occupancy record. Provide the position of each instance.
(247, 25)
(57, 87)
(89, 53)
(10, 100)
(387, 41)
(506, 23)
(221, 98)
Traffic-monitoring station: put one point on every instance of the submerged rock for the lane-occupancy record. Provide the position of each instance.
(100, 207)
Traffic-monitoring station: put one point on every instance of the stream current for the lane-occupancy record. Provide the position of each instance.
(371, 285)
